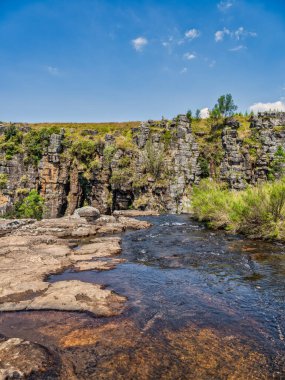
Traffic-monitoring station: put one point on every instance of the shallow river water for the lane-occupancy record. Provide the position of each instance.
(201, 305)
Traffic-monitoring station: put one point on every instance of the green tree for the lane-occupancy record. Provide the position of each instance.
(31, 207)
(225, 105)
(197, 114)
(189, 115)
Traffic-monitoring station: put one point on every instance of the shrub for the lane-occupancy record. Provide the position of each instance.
(204, 166)
(124, 161)
(166, 138)
(109, 152)
(83, 150)
(153, 159)
(31, 206)
(124, 143)
(11, 132)
(22, 191)
(141, 202)
(277, 166)
(121, 177)
(95, 164)
(211, 202)
(189, 115)
(250, 212)
(3, 181)
(256, 211)
(11, 144)
(37, 141)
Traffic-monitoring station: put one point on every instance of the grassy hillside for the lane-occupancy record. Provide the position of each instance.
(79, 128)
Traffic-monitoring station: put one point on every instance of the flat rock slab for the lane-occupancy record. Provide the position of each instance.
(37, 249)
(100, 248)
(72, 296)
(135, 213)
(98, 264)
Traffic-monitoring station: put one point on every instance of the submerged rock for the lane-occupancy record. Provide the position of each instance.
(20, 359)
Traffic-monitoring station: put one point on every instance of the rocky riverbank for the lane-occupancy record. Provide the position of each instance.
(30, 252)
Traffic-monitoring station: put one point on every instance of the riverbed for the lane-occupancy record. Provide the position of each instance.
(200, 305)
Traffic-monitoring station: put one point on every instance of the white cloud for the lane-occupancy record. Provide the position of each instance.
(238, 34)
(204, 113)
(54, 71)
(139, 43)
(238, 48)
(262, 107)
(224, 5)
(184, 70)
(192, 34)
(220, 34)
(189, 56)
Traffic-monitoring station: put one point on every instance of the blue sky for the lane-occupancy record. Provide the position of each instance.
(89, 60)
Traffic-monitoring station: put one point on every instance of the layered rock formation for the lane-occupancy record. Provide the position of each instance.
(257, 158)
(153, 167)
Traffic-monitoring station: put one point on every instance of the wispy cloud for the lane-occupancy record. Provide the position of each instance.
(191, 34)
(224, 5)
(52, 70)
(238, 48)
(261, 107)
(239, 34)
(184, 70)
(139, 43)
(168, 44)
(189, 56)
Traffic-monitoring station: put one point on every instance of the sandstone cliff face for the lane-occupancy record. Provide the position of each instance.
(155, 170)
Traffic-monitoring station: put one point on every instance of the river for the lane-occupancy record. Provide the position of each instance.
(201, 305)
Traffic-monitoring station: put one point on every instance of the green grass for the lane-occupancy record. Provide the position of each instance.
(258, 212)
(74, 129)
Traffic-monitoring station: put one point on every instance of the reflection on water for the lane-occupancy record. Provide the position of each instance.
(201, 305)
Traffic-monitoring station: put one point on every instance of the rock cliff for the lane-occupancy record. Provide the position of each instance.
(153, 166)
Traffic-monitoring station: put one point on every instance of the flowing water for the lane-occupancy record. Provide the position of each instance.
(201, 305)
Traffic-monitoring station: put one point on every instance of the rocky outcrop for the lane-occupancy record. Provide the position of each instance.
(236, 165)
(258, 157)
